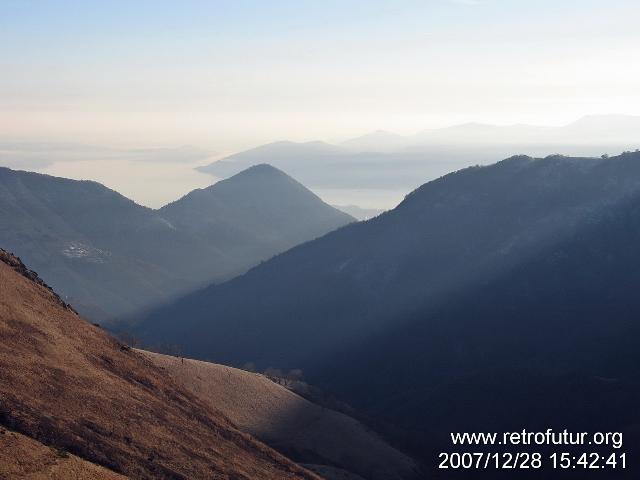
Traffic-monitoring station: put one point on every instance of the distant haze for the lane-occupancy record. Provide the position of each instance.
(371, 171)
(223, 77)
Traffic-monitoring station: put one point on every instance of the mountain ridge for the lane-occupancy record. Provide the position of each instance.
(352, 279)
(108, 256)
(562, 321)
(392, 164)
(255, 214)
(460, 310)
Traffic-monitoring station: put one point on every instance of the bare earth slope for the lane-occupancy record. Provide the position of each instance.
(293, 425)
(67, 384)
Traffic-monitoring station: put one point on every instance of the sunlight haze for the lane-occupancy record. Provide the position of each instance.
(227, 76)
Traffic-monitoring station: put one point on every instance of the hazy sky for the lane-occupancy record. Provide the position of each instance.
(228, 75)
(113, 90)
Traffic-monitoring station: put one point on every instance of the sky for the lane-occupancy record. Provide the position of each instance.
(223, 76)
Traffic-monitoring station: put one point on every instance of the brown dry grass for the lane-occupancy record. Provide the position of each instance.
(68, 384)
(293, 425)
(24, 458)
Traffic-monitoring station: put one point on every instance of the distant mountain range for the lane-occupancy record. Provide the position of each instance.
(111, 257)
(463, 308)
(589, 130)
(386, 161)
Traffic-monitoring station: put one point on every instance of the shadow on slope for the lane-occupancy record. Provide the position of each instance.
(303, 431)
(550, 343)
(461, 230)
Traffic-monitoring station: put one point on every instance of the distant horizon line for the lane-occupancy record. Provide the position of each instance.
(39, 140)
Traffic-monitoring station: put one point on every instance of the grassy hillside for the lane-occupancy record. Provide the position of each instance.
(68, 385)
(22, 457)
(302, 430)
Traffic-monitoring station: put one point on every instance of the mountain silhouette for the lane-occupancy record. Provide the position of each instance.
(548, 343)
(254, 214)
(384, 161)
(464, 228)
(492, 299)
(111, 257)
